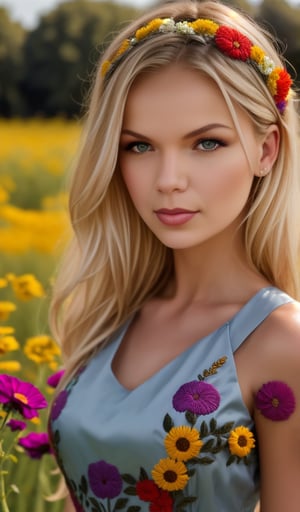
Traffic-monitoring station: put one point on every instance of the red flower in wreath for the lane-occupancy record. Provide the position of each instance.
(233, 43)
(283, 84)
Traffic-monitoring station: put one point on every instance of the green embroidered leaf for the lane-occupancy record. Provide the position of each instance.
(220, 445)
(143, 474)
(97, 507)
(129, 479)
(230, 460)
(225, 429)
(208, 446)
(83, 486)
(56, 437)
(200, 377)
(213, 425)
(73, 484)
(205, 460)
(191, 472)
(134, 508)
(131, 491)
(168, 423)
(203, 429)
(120, 503)
(187, 499)
(191, 417)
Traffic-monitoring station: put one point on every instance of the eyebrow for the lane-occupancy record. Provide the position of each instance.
(189, 135)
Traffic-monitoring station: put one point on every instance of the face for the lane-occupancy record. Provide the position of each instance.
(182, 160)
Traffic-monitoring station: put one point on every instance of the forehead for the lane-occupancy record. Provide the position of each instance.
(178, 94)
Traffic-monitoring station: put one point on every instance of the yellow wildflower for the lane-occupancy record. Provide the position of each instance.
(27, 287)
(272, 81)
(170, 475)
(10, 366)
(257, 54)
(241, 441)
(5, 330)
(6, 308)
(152, 26)
(3, 282)
(204, 27)
(8, 344)
(41, 349)
(183, 443)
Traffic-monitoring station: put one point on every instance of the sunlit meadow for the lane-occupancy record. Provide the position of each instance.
(34, 158)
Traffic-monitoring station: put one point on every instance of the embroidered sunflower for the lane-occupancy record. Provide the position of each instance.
(241, 441)
(170, 475)
(183, 443)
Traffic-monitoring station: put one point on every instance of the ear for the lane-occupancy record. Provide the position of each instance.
(269, 150)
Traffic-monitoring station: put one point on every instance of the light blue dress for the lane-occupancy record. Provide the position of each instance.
(164, 447)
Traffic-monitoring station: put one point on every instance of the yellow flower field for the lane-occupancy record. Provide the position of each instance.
(35, 156)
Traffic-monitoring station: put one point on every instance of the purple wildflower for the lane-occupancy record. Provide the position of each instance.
(58, 404)
(15, 425)
(36, 444)
(105, 479)
(21, 396)
(197, 397)
(55, 378)
(275, 400)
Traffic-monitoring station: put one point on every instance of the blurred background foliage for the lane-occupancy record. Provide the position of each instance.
(46, 71)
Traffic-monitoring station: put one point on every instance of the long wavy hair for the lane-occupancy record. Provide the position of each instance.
(114, 263)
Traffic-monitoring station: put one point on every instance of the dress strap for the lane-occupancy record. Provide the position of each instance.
(254, 312)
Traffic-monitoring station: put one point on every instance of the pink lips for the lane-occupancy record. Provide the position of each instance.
(175, 216)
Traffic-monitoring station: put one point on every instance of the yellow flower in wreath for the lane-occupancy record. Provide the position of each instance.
(241, 441)
(170, 475)
(183, 443)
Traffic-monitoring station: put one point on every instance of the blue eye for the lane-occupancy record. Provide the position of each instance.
(138, 147)
(209, 144)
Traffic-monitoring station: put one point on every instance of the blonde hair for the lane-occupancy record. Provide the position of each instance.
(114, 264)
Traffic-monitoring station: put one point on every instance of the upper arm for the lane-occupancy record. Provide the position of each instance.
(279, 440)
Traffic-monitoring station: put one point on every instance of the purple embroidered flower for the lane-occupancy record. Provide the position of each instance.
(36, 444)
(21, 396)
(55, 378)
(275, 400)
(15, 425)
(197, 397)
(105, 479)
(58, 404)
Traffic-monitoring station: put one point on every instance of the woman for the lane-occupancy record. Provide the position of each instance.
(174, 303)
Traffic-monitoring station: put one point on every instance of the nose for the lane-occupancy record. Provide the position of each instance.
(171, 175)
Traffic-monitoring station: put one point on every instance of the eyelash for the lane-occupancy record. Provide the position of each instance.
(217, 142)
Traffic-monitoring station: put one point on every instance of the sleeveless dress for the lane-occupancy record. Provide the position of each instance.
(181, 441)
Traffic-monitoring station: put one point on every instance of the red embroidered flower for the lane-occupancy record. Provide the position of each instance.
(164, 503)
(283, 83)
(147, 490)
(233, 43)
(275, 400)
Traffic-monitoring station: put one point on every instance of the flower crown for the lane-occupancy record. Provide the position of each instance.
(229, 41)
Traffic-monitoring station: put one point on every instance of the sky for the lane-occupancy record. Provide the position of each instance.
(28, 12)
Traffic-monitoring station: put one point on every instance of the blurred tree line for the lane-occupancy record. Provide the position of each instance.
(46, 71)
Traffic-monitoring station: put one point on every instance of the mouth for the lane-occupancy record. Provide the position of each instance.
(175, 216)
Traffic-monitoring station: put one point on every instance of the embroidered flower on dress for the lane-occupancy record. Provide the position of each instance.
(241, 441)
(275, 400)
(147, 490)
(55, 378)
(196, 397)
(105, 479)
(170, 475)
(164, 503)
(58, 404)
(183, 443)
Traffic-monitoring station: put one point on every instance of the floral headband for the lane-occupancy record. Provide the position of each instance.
(229, 41)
